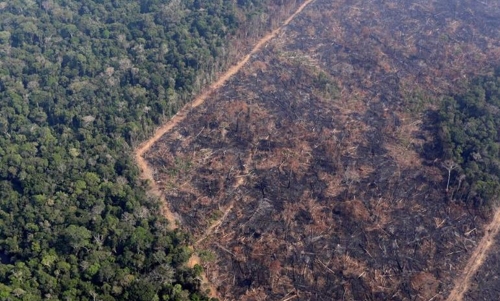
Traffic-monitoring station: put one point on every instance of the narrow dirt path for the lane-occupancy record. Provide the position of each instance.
(476, 259)
(240, 181)
(147, 171)
(215, 225)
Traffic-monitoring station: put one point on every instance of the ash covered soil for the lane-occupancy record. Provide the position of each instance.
(318, 162)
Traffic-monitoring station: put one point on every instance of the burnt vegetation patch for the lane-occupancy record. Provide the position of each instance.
(312, 160)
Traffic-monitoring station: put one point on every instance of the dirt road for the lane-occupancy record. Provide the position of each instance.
(146, 170)
(476, 259)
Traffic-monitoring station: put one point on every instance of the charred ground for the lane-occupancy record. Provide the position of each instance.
(319, 159)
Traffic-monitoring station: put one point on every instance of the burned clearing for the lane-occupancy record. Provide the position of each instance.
(318, 162)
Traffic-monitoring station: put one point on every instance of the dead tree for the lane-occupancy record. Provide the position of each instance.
(449, 165)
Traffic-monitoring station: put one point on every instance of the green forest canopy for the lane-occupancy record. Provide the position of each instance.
(469, 133)
(81, 83)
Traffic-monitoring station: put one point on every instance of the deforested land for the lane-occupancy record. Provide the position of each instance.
(353, 157)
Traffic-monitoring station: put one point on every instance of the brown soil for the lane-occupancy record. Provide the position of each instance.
(485, 283)
(476, 259)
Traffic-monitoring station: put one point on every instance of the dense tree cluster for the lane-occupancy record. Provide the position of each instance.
(469, 132)
(81, 83)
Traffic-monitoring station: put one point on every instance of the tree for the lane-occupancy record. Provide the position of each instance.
(77, 236)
